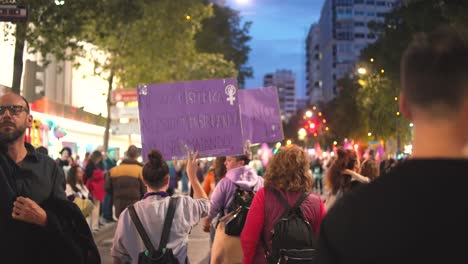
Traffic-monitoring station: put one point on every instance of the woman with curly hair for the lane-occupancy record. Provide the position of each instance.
(343, 175)
(287, 173)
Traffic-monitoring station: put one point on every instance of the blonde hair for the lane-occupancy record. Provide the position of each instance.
(289, 170)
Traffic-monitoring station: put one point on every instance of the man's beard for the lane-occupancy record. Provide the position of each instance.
(7, 138)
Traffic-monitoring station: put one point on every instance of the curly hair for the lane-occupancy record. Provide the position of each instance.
(289, 170)
(335, 179)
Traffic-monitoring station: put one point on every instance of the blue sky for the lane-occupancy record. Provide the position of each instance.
(278, 36)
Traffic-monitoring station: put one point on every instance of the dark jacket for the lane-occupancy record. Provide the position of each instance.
(126, 185)
(65, 239)
(409, 215)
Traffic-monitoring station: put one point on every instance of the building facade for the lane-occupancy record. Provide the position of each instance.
(342, 33)
(285, 83)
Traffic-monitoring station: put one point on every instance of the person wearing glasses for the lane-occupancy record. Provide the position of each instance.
(36, 208)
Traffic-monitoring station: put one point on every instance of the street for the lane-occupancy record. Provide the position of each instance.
(198, 247)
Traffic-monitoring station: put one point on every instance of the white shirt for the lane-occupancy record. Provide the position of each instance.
(152, 212)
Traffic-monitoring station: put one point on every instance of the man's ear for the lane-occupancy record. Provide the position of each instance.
(404, 109)
(29, 121)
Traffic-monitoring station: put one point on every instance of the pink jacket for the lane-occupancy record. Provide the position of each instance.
(257, 225)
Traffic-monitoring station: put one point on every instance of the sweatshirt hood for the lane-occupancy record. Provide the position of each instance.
(244, 176)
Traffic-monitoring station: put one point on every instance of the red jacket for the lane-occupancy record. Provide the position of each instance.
(258, 225)
(95, 184)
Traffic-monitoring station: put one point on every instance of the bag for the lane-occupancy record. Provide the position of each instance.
(225, 249)
(162, 255)
(293, 240)
(86, 205)
(234, 222)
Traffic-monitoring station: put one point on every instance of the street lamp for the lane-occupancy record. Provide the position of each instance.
(362, 70)
(309, 114)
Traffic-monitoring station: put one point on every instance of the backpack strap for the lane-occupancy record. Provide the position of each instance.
(141, 230)
(281, 198)
(168, 223)
(300, 200)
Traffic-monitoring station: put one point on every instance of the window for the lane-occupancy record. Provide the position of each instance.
(370, 2)
(359, 13)
(358, 1)
(371, 36)
(359, 24)
(380, 14)
(359, 35)
(371, 14)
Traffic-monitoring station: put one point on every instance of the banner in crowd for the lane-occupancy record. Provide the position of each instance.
(260, 115)
(209, 116)
(196, 115)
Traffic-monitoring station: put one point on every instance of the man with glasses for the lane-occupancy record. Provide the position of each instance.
(36, 177)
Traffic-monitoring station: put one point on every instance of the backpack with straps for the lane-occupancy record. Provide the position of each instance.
(293, 240)
(162, 254)
(238, 210)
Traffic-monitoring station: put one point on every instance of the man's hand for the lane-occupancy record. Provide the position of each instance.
(26, 210)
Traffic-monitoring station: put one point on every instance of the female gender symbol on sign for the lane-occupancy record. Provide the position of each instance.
(230, 91)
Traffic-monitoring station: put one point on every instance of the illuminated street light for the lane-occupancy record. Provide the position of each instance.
(288, 142)
(312, 125)
(324, 121)
(320, 114)
(315, 134)
(309, 114)
(371, 59)
(411, 125)
(314, 108)
(396, 98)
(362, 70)
(278, 145)
(335, 143)
(369, 134)
(397, 113)
(188, 17)
(326, 129)
(382, 71)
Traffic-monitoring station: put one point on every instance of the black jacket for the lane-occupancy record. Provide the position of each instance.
(415, 214)
(66, 238)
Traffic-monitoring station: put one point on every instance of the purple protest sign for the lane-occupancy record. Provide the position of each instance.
(199, 115)
(260, 115)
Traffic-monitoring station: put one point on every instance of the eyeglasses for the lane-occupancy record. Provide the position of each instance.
(13, 109)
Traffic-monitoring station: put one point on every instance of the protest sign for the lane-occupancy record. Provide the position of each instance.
(260, 115)
(197, 115)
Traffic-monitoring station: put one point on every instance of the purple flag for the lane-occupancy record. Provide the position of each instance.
(260, 115)
(197, 115)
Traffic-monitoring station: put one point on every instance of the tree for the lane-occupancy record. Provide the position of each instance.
(51, 29)
(223, 34)
(344, 116)
(136, 55)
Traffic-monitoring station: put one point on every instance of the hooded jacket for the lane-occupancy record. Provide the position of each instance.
(245, 177)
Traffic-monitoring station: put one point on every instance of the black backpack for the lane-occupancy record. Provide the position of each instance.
(293, 240)
(162, 255)
(238, 210)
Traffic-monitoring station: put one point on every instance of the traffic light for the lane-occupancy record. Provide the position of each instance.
(33, 81)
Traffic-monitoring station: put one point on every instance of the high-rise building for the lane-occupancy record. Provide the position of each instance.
(313, 82)
(342, 33)
(285, 83)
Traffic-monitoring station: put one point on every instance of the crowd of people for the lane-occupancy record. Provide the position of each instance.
(299, 209)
